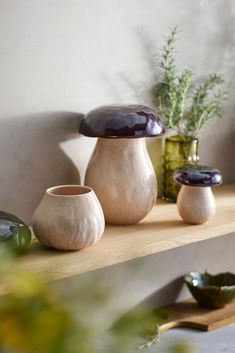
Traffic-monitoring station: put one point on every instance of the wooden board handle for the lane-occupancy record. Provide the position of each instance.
(168, 325)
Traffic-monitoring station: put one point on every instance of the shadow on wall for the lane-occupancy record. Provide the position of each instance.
(218, 148)
(32, 160)
(224, 41)
(165, 295)
(125, 87)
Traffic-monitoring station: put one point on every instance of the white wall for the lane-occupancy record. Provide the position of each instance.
(62, 57)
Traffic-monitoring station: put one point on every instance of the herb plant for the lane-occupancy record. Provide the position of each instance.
(184, 107)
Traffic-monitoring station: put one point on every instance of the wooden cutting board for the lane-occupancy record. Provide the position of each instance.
(189, 314)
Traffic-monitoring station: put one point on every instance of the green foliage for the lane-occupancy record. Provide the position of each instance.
(42, 317)
(187, 113)
(182, 347)
(141, 322)
(204, 109)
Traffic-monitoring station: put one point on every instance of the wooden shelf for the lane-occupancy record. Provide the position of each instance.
(161, 230)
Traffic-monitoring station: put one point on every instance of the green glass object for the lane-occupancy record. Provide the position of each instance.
(179, 150)
(14, 232)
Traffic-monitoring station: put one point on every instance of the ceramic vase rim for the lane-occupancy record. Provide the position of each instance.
(84, 190)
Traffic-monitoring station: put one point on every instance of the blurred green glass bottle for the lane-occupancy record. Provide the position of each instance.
(14, 232)
(179, 150)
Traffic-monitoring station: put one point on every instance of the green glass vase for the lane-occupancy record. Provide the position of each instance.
(179, 150)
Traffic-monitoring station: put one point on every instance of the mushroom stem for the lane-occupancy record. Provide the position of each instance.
(123, 178)
(196, 205)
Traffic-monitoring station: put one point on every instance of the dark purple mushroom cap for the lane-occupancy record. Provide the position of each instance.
(197, 175)
(124, 121)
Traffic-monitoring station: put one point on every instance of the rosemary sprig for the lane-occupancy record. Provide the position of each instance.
(204, 109)
(186, 113)
(184, 83)
(165, 92)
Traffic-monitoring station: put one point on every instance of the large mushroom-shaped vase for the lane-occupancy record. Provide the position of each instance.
(120, 170)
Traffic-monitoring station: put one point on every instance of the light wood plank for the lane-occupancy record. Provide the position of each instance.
(189, 314)
(161, 230)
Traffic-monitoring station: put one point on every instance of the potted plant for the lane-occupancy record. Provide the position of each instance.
(186, 109)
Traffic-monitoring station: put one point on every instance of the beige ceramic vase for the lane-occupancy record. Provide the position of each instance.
(122, 175)
(195, 201)
(69, 217)
(196, 205)
(120, 170)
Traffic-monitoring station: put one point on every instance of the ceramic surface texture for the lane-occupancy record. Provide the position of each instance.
(211, 291)
(197, 175)
(196, 205)
(69, 218)
(122, 121)
(123, 178)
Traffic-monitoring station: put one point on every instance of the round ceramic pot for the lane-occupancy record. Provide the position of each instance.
(196, 205)
(122, 175)
(69, 217)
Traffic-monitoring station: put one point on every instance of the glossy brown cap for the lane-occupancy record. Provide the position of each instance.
(124, 121)
(197, 175)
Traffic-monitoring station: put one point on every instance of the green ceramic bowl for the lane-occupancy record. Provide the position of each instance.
(211, 291)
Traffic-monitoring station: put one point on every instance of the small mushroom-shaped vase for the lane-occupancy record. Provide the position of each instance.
(69, 217)
(195, 201)
(120, 170)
